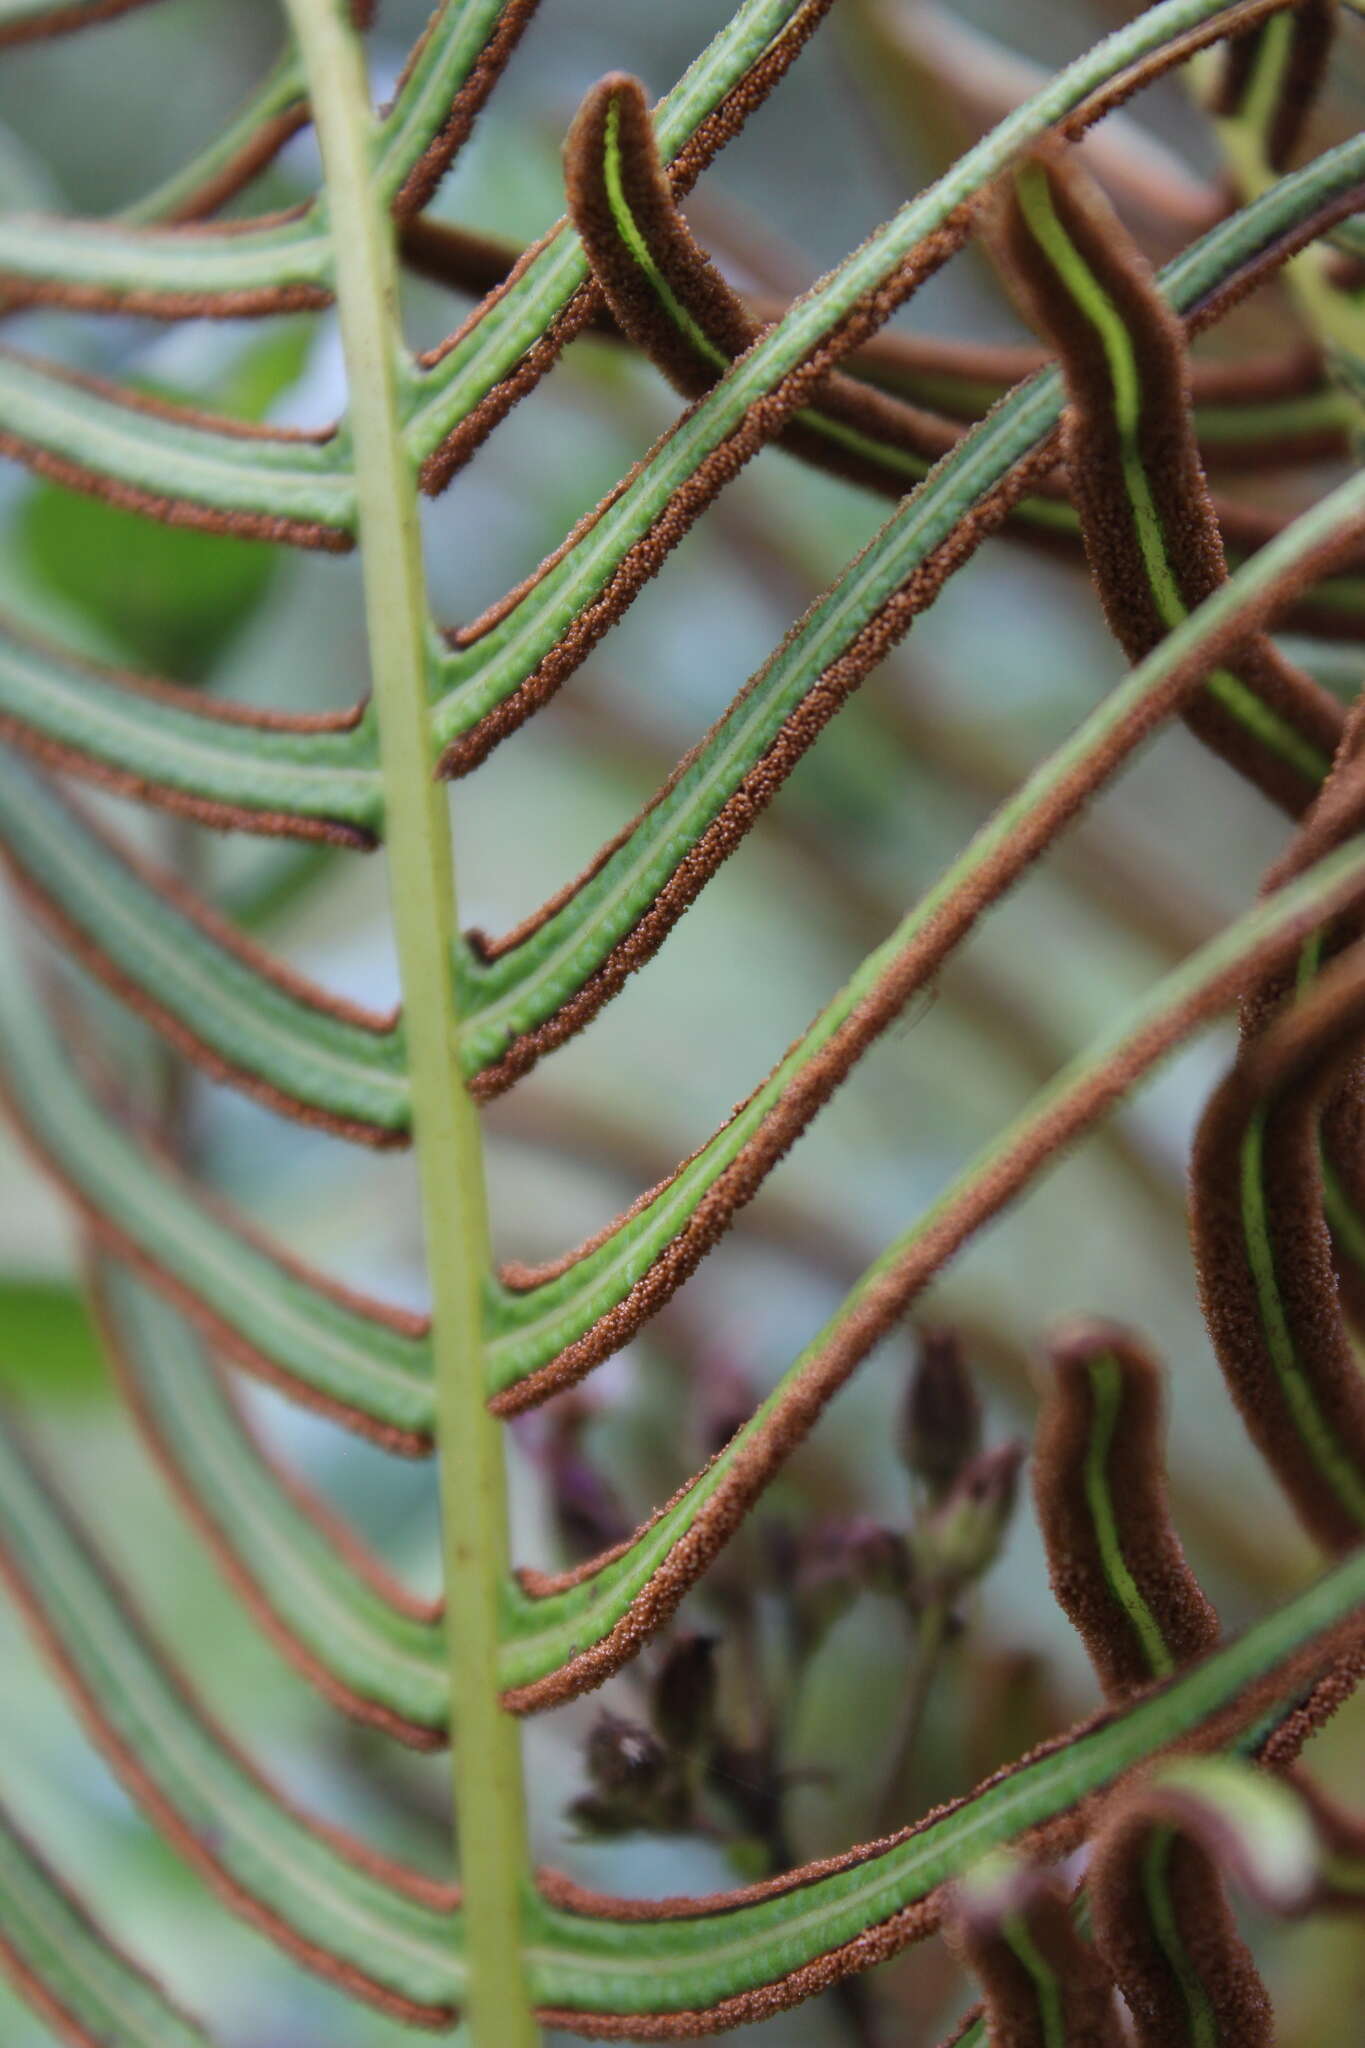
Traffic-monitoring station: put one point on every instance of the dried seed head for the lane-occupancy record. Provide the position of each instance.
(635, 1785)
(879, 1559)
(622, 1756)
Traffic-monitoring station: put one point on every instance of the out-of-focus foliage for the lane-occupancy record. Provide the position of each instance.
(171, 597)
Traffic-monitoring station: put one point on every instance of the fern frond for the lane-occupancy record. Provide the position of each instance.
(1116, 1563)
(635, 1590)
(898, 1893)
(688, 1968)
(728, 1169)
(1265, 1257)
(1042, 1982)
(307, 777)
(373, 1647)
(1131, 443)
(23, 21)
(209, 991)
(1248, 411)
(383, 1932)
(1161, 1918)
(88, 1990)
(1185, 1772)
(526, 651)
(355, 1359)
(167, 461)
(135, 264)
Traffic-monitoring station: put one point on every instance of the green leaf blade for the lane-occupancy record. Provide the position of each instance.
(301, 1885)
(381, 1656)
(291, 1045)
(69, 1970)
(179, 748)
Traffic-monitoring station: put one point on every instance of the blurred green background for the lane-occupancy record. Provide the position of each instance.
(1008, 660)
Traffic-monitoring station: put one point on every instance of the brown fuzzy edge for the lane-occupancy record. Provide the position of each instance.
(631, 298)
(85, 947)
(1135, 1478)
(909, 972)
(61, 21)
(132, 1773)
(1246, 528)
(856, 329)
(216, 816)
(257, 151)
(204, 810)
(218, 1540)
(1338, 812)
(878, 1307)
(171, 510)
(1015, 2018)
(748, 801)
(1168, 451)
(718, 128)
(1341, 1655)
(715, 306)
(32, 1988)
(1313, 27)
(472, 263)
(250, 302)
(1283, 1074)
(1130, 1946)
(426, 174)
(108, 1235)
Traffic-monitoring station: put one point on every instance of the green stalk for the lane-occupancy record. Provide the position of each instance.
(931, 1634)
(489, 1795)
(1333, 315)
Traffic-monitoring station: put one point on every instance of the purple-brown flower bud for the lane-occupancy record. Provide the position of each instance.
(842, 1560)
(957, 1542)
(589, 1514)
(683, 1700)
(941, 1431)
(879, 1559)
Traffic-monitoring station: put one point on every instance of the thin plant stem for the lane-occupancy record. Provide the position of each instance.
(489, 1790)
(931, 1633)
(1334, 316)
